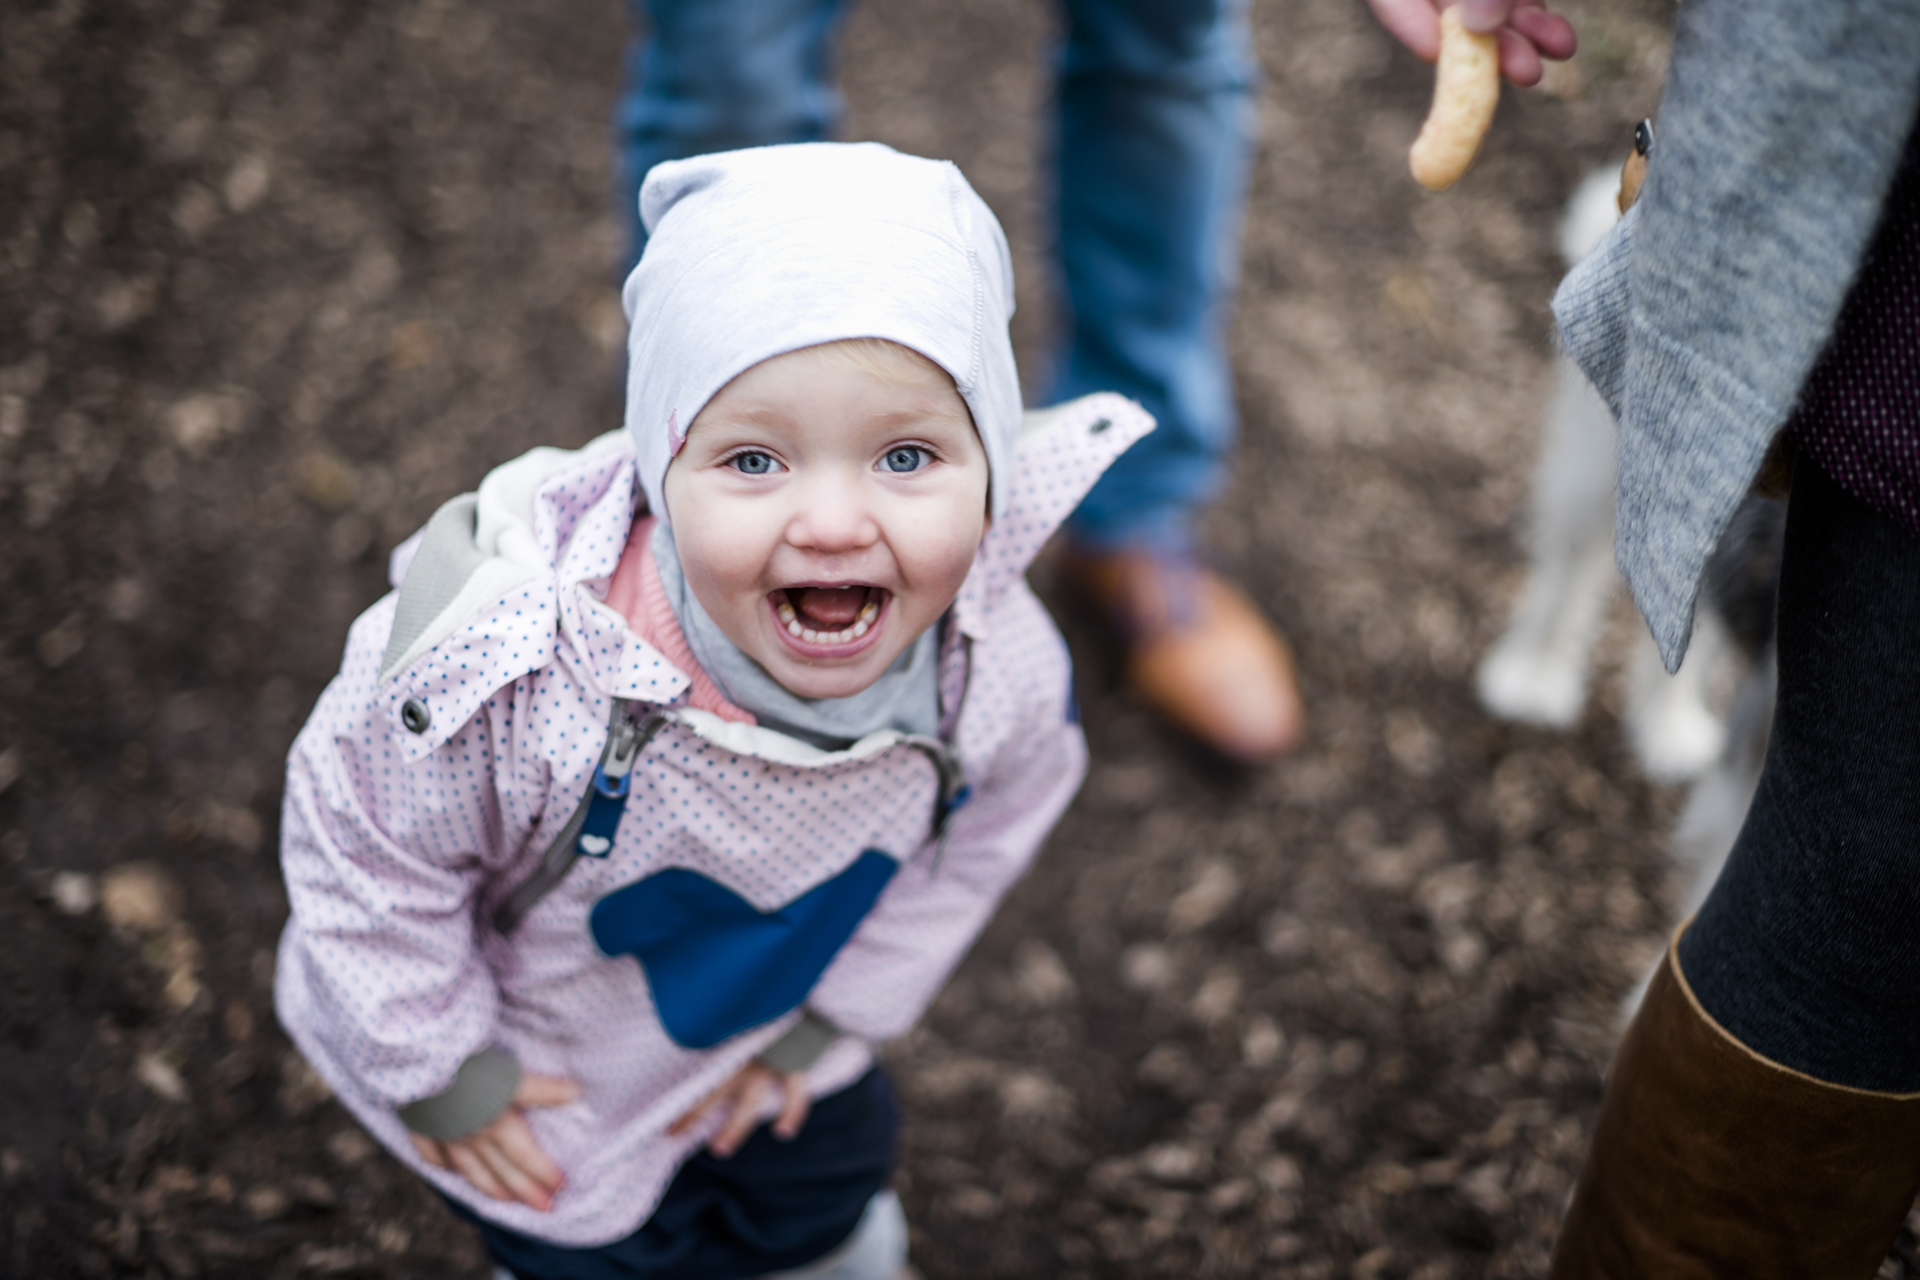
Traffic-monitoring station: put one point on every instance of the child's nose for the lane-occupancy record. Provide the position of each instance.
(833, 517)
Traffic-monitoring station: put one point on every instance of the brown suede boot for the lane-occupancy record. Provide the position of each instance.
(1708, 1160)
(1198, 650)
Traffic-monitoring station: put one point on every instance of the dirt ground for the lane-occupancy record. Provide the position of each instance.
(277, 280)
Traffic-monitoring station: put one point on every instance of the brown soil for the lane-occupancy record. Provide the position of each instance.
(279, 279)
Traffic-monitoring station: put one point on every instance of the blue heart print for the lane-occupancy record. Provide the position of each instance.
(716, 964)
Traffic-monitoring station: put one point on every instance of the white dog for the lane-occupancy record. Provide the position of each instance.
(1717, 806)
(1537, 673)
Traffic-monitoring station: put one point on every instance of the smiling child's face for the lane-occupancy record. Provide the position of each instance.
(827, 506)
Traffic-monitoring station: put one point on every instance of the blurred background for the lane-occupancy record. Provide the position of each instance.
(275, 281)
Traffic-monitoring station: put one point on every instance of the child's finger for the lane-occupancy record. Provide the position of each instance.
(699, 1110)
(743, 1119)
(517, 1143)
(545, 1091)
(433, 1152)
(468, 1164)
(793, 1107)
(519, 1186)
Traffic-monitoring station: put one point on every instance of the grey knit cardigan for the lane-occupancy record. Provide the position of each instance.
(1700, 316)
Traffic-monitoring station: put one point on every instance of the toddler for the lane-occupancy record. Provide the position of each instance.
(683, 767)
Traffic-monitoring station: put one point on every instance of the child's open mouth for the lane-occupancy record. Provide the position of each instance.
(829, 617)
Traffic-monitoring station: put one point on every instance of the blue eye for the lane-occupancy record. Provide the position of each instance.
(908, 457)
(753, 464)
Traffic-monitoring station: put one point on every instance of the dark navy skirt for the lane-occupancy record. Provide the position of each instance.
(772, 1206)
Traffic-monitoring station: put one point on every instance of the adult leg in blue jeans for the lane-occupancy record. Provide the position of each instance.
(1154, 133)
(718, 75)
(1155, 121)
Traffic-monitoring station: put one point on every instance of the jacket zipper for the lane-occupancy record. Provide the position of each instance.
(589, 832)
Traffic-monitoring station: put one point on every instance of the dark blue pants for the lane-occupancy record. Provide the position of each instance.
(1808, 948)
(774, 1205)
(1153, 135)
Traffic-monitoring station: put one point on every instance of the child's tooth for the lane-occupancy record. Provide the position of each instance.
(810, 636)
(861, 628)
(793, 625)
(868, 610)
(785, 611)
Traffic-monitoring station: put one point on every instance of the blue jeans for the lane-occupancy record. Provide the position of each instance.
(1154, 120)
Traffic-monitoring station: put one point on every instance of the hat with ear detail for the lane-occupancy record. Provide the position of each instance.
(752, 254)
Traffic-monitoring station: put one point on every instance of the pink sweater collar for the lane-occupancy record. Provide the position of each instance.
(635, 593)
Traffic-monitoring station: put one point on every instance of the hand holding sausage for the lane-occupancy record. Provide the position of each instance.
(1524, 31)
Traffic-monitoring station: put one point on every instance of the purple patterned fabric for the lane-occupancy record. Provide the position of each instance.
(1859, 413)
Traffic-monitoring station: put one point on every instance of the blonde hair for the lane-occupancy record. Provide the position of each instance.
(886, 360)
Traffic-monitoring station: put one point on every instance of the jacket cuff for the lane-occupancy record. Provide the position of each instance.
(803, 1044)
(482, 1089)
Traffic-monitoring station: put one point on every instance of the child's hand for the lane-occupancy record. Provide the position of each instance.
(503, 1160)
(741, 1096)
(1526, 31)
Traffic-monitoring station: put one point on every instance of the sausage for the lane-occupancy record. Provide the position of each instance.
(1466, 88)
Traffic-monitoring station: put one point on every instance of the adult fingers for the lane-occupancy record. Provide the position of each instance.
(1550, 33)
(1485, 16)
(519, 1186)
(1527, 32)
(468, 1164)
(434, 1153)
(1414, 23)
(1519, 60)
(744, 1117)
(794, 1106)
(514, 1136)
(545, 1091)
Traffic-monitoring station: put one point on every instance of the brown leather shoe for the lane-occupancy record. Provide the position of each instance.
(1711, 1161)
(1198, 650)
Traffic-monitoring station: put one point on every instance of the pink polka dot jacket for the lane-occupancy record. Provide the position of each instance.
(749, 881)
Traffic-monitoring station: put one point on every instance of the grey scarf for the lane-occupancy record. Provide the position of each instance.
(905, 697)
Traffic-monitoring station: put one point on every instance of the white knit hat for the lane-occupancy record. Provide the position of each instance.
(752, 254)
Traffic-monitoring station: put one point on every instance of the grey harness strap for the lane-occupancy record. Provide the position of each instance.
(445, 561)
(589, 832)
